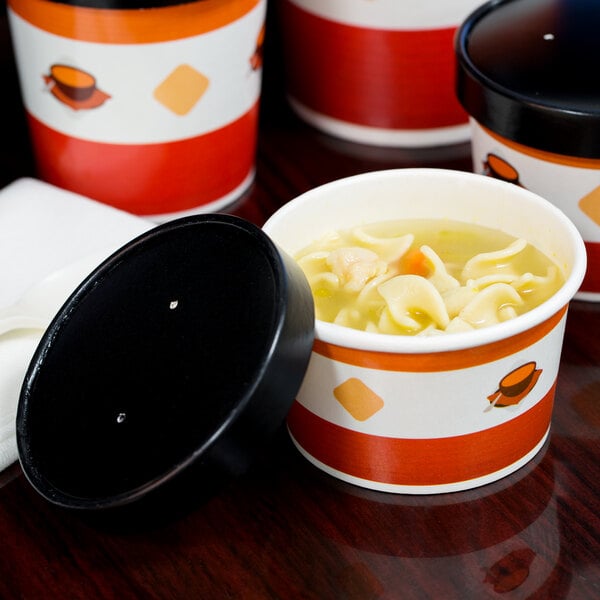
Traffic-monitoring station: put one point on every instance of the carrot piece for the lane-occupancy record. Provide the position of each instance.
(414, 262)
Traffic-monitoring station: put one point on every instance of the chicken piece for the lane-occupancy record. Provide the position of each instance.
(355, 267)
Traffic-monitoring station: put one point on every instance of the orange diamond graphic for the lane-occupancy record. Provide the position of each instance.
(182, 89)
(358, 399)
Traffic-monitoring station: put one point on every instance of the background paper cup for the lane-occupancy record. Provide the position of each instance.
(535, 116)
(378, 72)
(427, 423)
(153, 110)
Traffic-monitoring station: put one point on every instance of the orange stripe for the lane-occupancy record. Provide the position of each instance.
(391, 79)
(571, 161)
(591, 281)
(131, 26)
(150, 179)
(438, 361)
(437, 461)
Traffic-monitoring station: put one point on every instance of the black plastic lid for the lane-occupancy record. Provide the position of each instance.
(528, 71)
(185, 348)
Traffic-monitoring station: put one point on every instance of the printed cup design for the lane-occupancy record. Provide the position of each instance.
(514, 386)
(590, 205)
(74, 87)
(358, 399)
(577, 195)
(182, 89)
(378, 72)
(142, 108)
(436, 413)
(497, 167)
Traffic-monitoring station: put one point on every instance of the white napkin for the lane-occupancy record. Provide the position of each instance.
(44, 228)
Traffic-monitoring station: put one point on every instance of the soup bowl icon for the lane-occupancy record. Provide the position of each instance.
(74, 87)
(75, 83)
(430, 414)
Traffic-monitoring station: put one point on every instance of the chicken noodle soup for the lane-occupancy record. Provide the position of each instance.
(425, 276)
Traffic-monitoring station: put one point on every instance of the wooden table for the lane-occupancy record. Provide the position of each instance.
(286, 530)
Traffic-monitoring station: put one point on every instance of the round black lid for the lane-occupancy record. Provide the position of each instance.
(528, 71)
(186, 347)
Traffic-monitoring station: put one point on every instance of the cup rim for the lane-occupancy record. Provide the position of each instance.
(399, 344)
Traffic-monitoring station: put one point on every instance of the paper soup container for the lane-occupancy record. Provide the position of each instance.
(430, 427)
(535, 110)
(379, 72)
(151, 109)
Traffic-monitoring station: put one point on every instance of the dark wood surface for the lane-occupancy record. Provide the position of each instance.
(285, 530)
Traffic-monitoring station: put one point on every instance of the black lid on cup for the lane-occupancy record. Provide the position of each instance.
(184, 350)
(527, 70)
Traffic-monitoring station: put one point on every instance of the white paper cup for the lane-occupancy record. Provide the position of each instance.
(433, 430)
(378, 73)
(151, 109)
(534, 116)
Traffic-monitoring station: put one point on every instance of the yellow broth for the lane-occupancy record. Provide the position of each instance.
(332, 262)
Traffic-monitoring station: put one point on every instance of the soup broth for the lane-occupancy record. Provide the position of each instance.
(425, 276)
